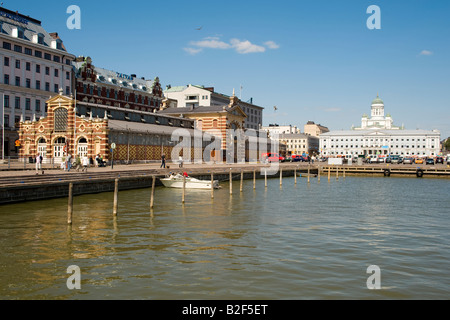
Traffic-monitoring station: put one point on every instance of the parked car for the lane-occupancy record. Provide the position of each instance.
(418, 161)
(429, 161)
(296, 158)
(408, 161)
(395, 159)
(272, 157)
(439, 160)
(388, 160)
(381, 160)
(448, 160)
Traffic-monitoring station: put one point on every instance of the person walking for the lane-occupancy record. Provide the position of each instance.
(85, 163)
(69, 162)
(181, 161)
(163, 161)
(38, 163)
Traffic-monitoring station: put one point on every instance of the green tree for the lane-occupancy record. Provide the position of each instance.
(447, 144)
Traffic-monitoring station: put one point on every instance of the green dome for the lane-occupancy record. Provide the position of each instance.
(377, 101)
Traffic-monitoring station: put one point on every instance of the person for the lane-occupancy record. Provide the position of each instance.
(77, 163)
(97, 158)
(163, 161)
(181, 162)
(185, 174)
(85, 163)
(38, 163)
(69, 162)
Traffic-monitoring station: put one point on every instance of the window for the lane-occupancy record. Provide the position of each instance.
(6, 121)
(68, 75)
(7, 45)
(6, 62)
(6, 101)
(28, 51)
(61, 117)
(68, 62)
(38, 54)
(17, 64)
(27, 104)
(67, 90)
(20, 33)
(17, 48)
(56, 88)
(40, 38)
(28, 66)
(6, 79)
(38, 105)
(47, 56)
(28, 83)
(38, 85)
(17, 103)
(57, 58)
(17, 81)
(47, 71)
(56, 73)
(47, 86)
(38, 68)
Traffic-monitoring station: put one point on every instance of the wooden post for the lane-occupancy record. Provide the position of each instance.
(231, 182)
(318, 173)
(254, 179)
(309, 171)
(116, 197)
(337, 173)
(329, 174)
(281, 177)
(344, 171)
(265, 177)
(295, 176)
(153, 193)
(70, 204)
(242, 180)
(212, 185)
(183, 199)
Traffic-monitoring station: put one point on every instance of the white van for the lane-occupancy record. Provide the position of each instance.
(448, 159)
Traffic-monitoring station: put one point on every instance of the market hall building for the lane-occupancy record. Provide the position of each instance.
(64, 132)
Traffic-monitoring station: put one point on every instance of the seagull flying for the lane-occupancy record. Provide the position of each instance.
(198, 29)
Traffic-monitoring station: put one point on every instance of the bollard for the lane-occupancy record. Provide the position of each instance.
(153, 193)
(343, 169)
(242, 181)
(337, 173)
(318, 173)
(281, 177)
(295, 176)
(116, 197)
(212, 185)
(183, 199)
(254, 179)
(329, 174)
(70, 204)
(309, 171)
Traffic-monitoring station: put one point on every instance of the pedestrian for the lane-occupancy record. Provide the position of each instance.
(181, 161)
(38, 163)
(97, 158)
(163, 161)
(69, 162)
(85, 163)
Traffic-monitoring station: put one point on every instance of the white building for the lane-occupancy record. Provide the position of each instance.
(299, 144)
(34, 66)
(378, 136)
(275, 129)
(192, 96)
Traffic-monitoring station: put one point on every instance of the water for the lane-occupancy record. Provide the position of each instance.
(311, 241)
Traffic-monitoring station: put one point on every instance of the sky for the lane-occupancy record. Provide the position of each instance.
(314, 60)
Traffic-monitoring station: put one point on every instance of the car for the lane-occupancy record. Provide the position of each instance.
(429, 161)
(439, 160)
(448, 160)
(272, 157)
(418, 161)
(408, 161)
(395, 159)
(381, 160)
(388, 160)
(296, 158)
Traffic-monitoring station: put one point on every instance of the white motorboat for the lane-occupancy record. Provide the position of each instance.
(176, 181)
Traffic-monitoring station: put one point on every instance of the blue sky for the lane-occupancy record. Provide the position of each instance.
(314, 60)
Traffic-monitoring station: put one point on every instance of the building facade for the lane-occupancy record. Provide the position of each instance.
(299, 144)
(34, 64)
(315, 130)
(275, 129)
(192, 96)
(378, 136)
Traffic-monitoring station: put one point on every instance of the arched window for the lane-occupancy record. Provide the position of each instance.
(61, 119)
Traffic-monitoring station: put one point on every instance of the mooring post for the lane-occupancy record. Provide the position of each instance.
(231, 182)
(309, 171)
(281, 177)
(344, 171)
(242, 181)
(295, 176)
(329, 173)
(318, 173)
(265, 177)
(116, 197)
(212, 185)
(70, 204)
(254, 179)
(337, 173)
(183, 199)
(153, 193)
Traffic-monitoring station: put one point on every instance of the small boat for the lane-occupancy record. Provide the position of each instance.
(176, 181)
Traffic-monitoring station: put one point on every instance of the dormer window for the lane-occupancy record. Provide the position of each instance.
(40, 38)
(18, 32)
(57, 44)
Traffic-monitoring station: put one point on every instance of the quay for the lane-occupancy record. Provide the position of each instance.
(21, 186)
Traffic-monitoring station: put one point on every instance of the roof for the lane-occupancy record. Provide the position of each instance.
(380, 132)
(9, 20)
(118, 125)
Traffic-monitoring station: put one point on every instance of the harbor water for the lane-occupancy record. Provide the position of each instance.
(304, 241)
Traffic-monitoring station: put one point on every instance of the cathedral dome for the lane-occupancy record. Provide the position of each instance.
(377, 101)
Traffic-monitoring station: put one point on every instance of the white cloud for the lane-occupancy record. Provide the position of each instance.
(241, 47)
(211, 43)
(193, 51)
(271, 45)
(426, 53)
(246, 46)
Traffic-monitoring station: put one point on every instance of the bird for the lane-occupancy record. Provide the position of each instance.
(200, 28)
(275, 108)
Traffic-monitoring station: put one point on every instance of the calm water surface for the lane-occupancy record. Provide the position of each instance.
(311, 241)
